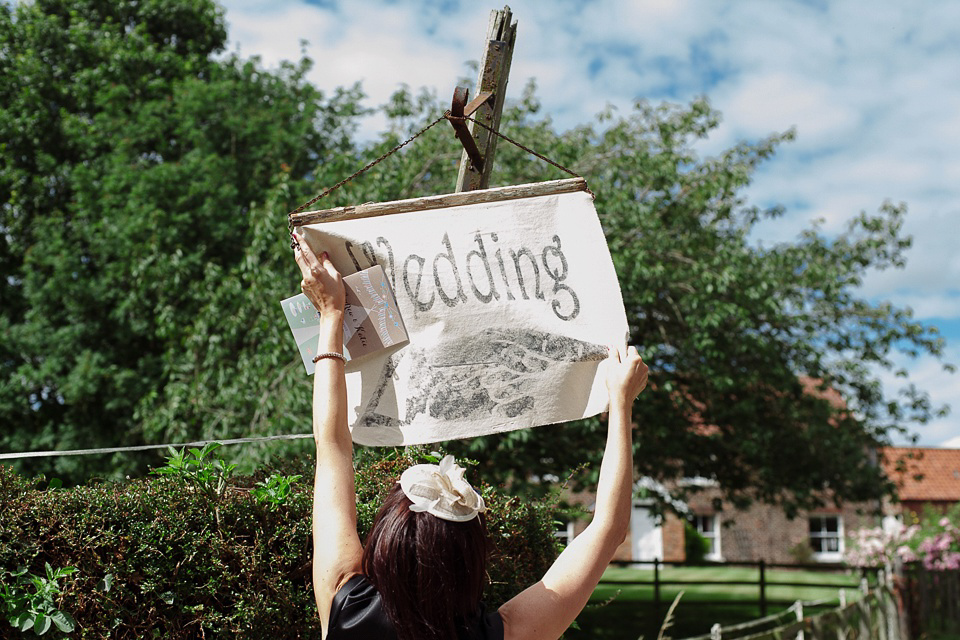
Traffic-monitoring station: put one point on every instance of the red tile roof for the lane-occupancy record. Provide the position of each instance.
(923, 473)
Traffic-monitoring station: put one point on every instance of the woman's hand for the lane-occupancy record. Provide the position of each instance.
(627, 376)
(321, 282)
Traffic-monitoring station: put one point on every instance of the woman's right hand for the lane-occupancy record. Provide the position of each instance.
(626, 375)
(321, 282)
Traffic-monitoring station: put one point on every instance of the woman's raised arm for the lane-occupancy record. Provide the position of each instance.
(336, 547)
(545, 610)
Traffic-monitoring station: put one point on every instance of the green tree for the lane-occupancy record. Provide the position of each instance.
(132, 153)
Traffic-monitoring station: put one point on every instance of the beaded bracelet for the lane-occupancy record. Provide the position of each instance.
(329, 354)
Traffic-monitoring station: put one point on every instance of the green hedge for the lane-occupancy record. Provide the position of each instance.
(161, 557)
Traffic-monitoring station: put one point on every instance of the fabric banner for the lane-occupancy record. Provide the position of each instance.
(509, 306)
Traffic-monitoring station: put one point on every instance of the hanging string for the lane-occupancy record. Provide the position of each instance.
(527, 149)
(369, 166)
(445, 116)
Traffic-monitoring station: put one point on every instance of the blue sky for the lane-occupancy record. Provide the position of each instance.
(872, 88)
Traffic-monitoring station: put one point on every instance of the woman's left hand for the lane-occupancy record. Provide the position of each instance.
(321, 282)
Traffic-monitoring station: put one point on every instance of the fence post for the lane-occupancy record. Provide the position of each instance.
(763, 589)
(656, 588)
(863, 608)
(842, 616)
(799, 606)
(899, 600)
(879, 614)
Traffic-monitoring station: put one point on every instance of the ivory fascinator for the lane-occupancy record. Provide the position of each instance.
(442, 491)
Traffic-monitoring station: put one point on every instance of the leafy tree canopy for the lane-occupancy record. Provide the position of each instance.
(145, 179)
(132, 153)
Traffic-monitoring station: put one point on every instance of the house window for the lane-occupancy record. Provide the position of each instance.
(564, 532)
(826, 537)
(707, 526)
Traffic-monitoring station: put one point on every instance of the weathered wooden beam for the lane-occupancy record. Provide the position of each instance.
(493, 76)
(497, 194)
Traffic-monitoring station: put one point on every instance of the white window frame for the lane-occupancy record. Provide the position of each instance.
(827, 556)
(713, 536)
(565, 533)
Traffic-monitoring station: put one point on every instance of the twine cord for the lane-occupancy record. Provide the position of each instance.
(147, 447)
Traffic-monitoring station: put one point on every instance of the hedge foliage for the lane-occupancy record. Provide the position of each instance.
(158, 558)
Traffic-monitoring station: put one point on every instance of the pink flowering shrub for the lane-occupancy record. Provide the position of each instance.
(933, 539)
(876, 547)
(941, 551)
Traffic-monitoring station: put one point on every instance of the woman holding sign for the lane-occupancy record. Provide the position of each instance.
(421, 574)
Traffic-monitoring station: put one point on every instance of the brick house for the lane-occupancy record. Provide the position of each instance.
(763, 532)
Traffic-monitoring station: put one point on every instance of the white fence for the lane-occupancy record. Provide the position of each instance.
(872, 616)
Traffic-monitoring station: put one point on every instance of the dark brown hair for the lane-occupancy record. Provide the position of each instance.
(429, 572)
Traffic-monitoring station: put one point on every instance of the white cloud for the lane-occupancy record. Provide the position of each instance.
(952, 443)
(933, 267)
(930, 306)
(778, 100)
(379, 45)
(274, 35)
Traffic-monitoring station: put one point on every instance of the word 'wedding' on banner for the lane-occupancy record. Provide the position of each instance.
(509, 300)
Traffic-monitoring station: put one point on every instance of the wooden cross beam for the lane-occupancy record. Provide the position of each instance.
(494, 72)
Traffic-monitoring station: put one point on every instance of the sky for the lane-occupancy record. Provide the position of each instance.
(872, 88)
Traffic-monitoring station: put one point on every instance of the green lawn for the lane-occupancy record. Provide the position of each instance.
(630, 612)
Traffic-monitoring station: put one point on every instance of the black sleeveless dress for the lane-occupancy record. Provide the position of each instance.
(357, 614)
